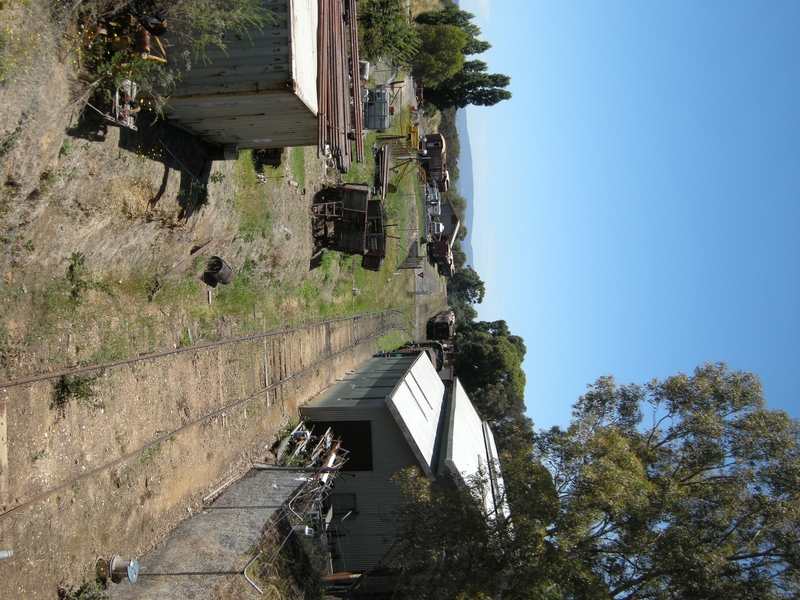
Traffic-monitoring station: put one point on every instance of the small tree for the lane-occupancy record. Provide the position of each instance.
(470, 85)
(384, 31)
(440, 54)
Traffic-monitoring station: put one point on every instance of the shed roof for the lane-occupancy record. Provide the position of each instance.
(470, 449)
(416, 405)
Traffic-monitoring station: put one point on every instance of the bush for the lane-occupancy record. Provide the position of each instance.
(384, 31)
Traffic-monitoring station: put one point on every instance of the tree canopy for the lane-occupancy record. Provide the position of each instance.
(440, 53)
(467, 285)
(384, 31)
(686, 488)
(461, 19)
(492, 359)
(471, 85)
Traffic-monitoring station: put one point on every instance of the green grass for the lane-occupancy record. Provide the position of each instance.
(362, 172)
(150, 454)
(251, 200)
(297, 166)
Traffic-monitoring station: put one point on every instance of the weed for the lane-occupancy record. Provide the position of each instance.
(326, 264)
(80, 280)
(29, 246)
(249, 202)
(149, 455)
(297, 166)
(309, 291)
(73, 387)
(217, 177)
(121, 441)
(66, 148)
(73, 174)
(76, 488)
(39, 456)
(11, 140)
(248, 267)
(90, 590)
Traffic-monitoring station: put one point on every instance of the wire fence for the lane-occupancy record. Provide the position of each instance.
(301, 517)
(61, 10)
(253, 540)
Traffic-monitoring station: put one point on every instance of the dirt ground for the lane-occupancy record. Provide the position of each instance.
(127, 201)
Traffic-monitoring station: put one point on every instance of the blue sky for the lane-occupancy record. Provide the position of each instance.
(637, 202)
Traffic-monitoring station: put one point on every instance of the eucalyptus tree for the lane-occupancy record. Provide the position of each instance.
(682, 488)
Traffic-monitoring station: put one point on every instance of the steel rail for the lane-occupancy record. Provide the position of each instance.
(190, 425)
(154, 355)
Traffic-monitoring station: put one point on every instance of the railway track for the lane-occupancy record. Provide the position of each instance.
(115, 469)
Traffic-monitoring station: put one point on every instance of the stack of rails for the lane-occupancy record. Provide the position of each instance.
(339, 111)
(356, 79)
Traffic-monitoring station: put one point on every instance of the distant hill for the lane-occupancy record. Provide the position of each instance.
(464, 181)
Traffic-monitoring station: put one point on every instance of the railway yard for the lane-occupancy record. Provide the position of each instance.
(133, 386)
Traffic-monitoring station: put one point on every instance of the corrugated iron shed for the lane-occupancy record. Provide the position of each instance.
(398, 411)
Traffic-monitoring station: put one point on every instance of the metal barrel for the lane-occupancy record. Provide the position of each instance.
(220, 270)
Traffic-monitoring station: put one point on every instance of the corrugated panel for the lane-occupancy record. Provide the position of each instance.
(366, 536)
(466, 448)
(372, 530)
(377, 373)
(416, 405)
(261, 91)
(498, 488)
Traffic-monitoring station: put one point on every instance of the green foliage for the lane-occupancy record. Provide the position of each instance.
(471, 85)
(5, 63)
(440, 54)
(458, 202)
(683, 488)
(73, 387)
(199, 24)
(149, 455)
(459, 256)
(448, 546)
(467, 285)
(385, 32)
(122, 66)
(496, 356)
(701, 499)
(255, 217)
(89, 590)
(461, 19)
(297, 166)
(81, 280)
(449, 129)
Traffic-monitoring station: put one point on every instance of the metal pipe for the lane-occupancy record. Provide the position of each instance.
(5, 554)
(250, 581)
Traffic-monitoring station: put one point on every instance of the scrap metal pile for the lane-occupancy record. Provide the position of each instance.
(339, 87)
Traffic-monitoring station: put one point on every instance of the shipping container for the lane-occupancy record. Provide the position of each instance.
(261, 91)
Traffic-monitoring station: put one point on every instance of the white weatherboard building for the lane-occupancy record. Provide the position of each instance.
(391, 414)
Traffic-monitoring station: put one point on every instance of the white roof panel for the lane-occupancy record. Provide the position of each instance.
(416, 404)
(471, 449)
(305, 19)
(466, 451)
